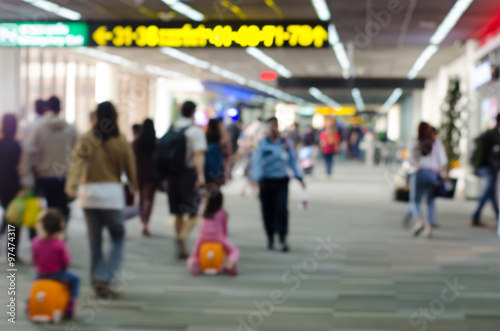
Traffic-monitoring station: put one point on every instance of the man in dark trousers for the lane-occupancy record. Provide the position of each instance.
(487, 164)
(273, 156)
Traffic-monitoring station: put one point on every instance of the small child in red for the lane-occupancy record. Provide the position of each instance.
(50, 254)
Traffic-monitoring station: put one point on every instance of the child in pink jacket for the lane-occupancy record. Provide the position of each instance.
(214, 229)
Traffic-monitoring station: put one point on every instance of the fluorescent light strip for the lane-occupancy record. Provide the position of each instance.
(437, 38)
(268, 61)
(107, 57)
(159, 71)
(228, 74)
(392, 100)
(184, 57)
(321, 9)
(450, 20)
(358, 99)
(185, 10)
(181, 56)
(275, 92)
(422, 61)
(317, 94)
(342, 56)
(333, 36)
(338, 47)
(55, 9)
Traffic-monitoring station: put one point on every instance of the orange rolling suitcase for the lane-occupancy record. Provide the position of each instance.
(48, 301)
(211, 258)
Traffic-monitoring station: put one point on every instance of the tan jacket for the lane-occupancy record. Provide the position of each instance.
(95, 161)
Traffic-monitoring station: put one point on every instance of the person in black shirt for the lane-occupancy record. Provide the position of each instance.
(10, 156)
(487, 168)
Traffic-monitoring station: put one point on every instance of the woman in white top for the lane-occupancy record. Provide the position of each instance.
(428, 158)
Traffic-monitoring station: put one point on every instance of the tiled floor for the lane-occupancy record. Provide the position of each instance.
(374, 276)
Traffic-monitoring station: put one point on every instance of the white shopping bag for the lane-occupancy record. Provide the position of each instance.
(304, 200)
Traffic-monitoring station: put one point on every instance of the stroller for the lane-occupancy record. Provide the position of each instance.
(306, 159)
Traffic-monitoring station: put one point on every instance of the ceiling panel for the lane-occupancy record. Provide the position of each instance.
(390, 52)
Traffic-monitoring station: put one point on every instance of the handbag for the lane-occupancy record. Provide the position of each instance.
(24, 210)
(445, 188)
(402, 194)
(129, 195)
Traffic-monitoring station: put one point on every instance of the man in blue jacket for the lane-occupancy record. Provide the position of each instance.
(271, 160)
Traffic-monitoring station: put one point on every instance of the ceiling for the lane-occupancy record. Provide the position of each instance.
(390, 54)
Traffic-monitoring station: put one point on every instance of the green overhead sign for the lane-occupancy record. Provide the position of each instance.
(46, 34)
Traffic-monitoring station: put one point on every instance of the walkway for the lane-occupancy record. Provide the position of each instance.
(375, 276)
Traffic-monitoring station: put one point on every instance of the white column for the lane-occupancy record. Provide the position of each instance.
(10, 80)
(70, 99)
(163, 103)
(107, 84)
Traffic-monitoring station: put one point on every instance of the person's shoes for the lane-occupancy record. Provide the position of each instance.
(478, 224)
(270, 246)
(428, 231)
(435, 226)
(181, 250)
(231, 271)
(102, 290)
(406, 221)
(70, 311)
(146, 233)
(419, 227)
(284, 248)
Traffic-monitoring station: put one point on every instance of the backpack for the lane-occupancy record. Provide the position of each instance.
(214, 163)
(171, 152)
(477, 159)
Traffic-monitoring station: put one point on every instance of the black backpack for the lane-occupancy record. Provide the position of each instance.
(171, 152)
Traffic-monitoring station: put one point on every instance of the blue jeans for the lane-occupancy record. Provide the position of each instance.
(329, 163)
(65, 277)
(423, 183)
(489, 192)
(103, 269)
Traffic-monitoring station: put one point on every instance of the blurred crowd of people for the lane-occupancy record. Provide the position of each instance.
(104, 171)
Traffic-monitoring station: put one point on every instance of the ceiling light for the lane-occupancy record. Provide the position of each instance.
(392, 100)
(450, 20)
(342, 56)
(159, 71)
(275, 92)
(228, 74)
(321, 9)
(338, 48)
(231, 75)
(185, 10)
(317, 94)
(107, 57)
(358, 99)
(333, 36)
(268, 61)
(55, 9)
(422, 61)
(184, 57)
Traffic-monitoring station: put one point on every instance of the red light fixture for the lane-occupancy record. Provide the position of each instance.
(268, 75)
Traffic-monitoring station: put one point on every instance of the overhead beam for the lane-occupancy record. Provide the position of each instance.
(341, 83)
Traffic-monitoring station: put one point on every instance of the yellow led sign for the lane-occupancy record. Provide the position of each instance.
(329, 111)
(293, 35)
